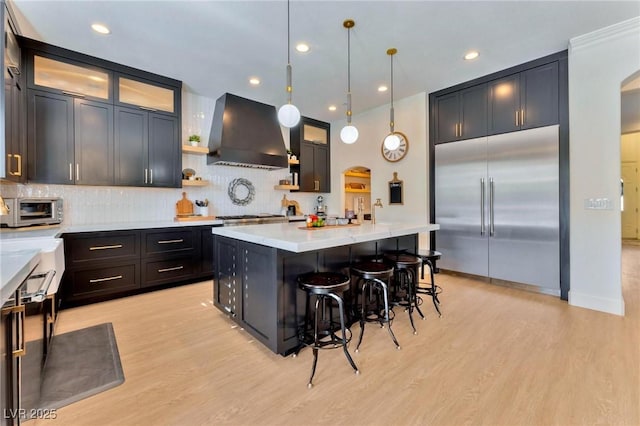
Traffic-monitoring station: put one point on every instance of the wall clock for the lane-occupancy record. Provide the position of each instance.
(397, 154)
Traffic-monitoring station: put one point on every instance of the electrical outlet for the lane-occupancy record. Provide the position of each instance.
(598, 204)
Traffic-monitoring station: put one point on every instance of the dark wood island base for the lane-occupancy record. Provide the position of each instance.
(256, 285)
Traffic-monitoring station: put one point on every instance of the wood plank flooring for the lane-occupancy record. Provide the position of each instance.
(498, 356)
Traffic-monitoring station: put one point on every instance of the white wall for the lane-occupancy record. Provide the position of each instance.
(373, 126)
(598, 64)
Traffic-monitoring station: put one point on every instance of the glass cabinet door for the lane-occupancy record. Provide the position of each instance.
(145, 95)
(70, 78)
(314, 134)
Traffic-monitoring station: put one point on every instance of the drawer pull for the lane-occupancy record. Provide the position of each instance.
(115, 246)
(171, 241)
(100, 280)
(175, 268)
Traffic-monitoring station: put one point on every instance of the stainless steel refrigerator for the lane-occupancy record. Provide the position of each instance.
(497, 203)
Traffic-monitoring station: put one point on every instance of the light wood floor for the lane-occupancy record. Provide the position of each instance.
(498, 356)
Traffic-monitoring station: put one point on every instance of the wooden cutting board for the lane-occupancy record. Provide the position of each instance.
(184, 207)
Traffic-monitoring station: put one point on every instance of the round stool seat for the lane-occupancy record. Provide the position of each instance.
(324, 282)
(372, 269)
(402, 260)
(431, 255)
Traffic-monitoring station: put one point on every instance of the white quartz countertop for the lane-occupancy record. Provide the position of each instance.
(289, 236)
(15, 267)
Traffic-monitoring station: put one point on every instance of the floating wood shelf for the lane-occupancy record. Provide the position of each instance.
(362, 191)
(200, 150)
(287, 187)
(186, 182)
(358, 174)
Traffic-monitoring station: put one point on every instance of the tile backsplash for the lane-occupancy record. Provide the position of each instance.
(85, 205)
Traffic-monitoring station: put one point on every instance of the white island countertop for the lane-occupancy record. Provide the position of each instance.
(289, 236)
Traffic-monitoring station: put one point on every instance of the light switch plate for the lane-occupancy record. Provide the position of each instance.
(598, 204)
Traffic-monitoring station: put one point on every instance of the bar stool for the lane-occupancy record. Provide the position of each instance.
(375, 278)
(405, 282)
(427, 259)
(325, 286)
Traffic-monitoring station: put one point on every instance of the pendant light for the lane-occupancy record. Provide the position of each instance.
(288, 114)
(349, 133)
(392, 141)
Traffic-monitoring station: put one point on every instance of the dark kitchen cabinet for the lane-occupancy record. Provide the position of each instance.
(14, 134)
(108, 264)
(119, 125)
(227, 280)
(70, 140)
(310, 142)
(146, 149)
(524, 100)
(461, 114)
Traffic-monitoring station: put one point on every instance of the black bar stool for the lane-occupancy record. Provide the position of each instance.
(326, 286)
(427, 259)
(375, 278)
(405, 276)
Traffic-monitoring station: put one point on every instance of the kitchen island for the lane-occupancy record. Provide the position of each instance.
(256, 269)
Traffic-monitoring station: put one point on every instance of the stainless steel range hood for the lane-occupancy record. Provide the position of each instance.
(246, 133)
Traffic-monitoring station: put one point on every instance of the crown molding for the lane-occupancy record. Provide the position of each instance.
(604, 34)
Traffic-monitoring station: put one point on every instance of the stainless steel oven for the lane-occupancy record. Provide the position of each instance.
(32, 211)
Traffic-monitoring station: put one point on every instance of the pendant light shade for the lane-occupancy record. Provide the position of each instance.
(392, 141)
(349, 133)
(288, 114)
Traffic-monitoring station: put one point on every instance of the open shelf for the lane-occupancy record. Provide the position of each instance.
(361, 191)
(287, 187)
(200, 150)
(358, 174)
(186, 182)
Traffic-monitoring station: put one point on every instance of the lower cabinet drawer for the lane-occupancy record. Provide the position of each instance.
(103, 281)
(167, 271)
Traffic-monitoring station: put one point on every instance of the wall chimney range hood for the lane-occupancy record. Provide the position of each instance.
(246, 133)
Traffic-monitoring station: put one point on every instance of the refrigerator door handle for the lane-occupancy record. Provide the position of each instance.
(482, 196)
(491, 214)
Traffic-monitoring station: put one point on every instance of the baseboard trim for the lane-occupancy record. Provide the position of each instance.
(610, 306)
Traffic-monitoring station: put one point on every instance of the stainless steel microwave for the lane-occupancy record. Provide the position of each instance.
(32, 211)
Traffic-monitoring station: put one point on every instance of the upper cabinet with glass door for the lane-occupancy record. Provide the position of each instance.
(146, 95)
(317, 134)
(70, 78)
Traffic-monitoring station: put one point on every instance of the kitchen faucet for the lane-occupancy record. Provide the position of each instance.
(378, 203)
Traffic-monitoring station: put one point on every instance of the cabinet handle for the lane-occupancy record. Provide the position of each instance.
(77, 171)
(115, 246)
(18, 157)
(316, 185)
(170, 241)
(100, 280)
(175, 268)
(148, 109)
(516, 117)
(78, 95)
(522, 117)
(19, 313)
(491, 212)
(460, 130)
(71, 172)
(145, 175)
(151, 176)
(457, 130)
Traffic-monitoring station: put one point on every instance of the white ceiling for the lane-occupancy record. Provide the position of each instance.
(215, 46)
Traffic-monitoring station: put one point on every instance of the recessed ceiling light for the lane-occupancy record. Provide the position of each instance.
(302, 47)
(99, 28)
(254, 81)
(471, 55)
(382, 88)
(332, 108)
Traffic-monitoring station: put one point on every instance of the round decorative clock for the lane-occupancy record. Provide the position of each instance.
(397, 154)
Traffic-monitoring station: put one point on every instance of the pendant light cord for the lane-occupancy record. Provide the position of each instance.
(288, 34)
(349, 60)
